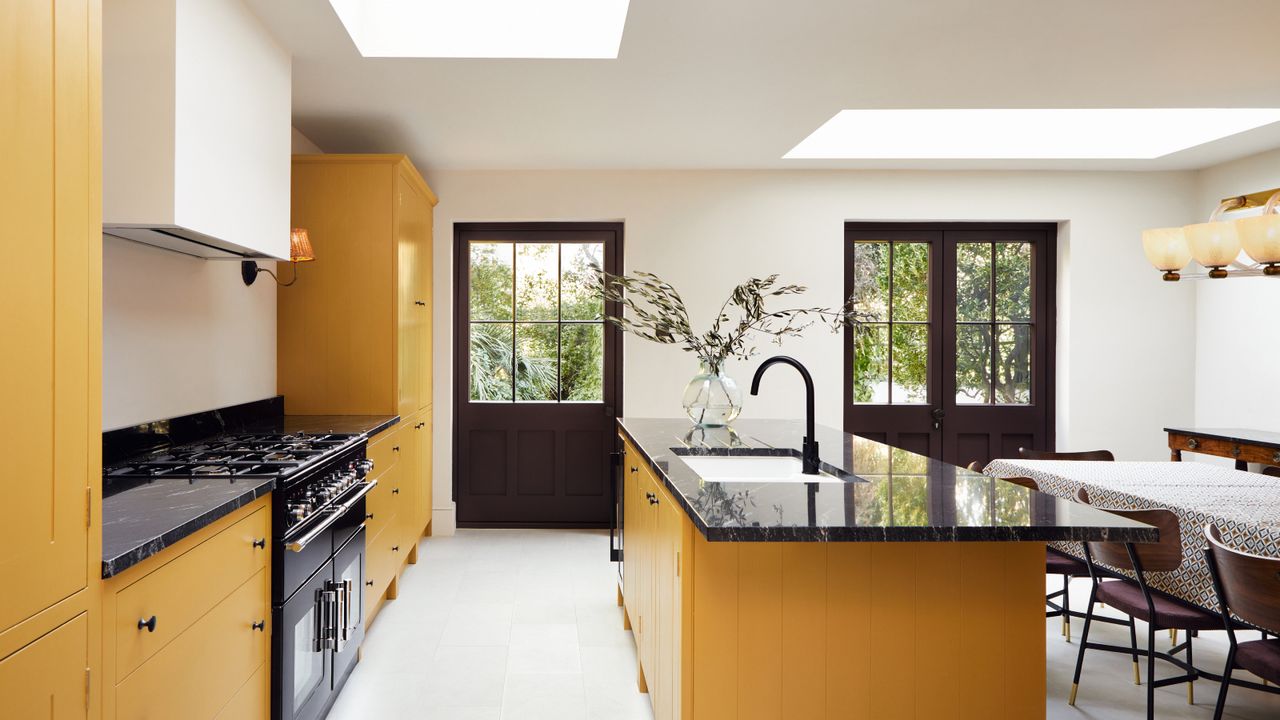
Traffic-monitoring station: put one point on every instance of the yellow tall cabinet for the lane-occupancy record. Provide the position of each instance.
(354, 333)
(50, 197)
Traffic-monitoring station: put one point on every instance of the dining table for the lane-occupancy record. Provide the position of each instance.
(1245, 506)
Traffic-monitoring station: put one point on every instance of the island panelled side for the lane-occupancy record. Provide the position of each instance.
(354, 334)
(738, 630)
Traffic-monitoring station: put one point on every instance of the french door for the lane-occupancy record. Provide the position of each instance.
(954, 355)
(537, 374)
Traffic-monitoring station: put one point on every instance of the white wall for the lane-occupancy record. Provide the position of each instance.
(1125, 338)
(1237, 343)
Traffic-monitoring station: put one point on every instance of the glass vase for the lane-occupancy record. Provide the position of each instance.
(712, 399)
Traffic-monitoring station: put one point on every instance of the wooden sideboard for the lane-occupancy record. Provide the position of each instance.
(1240, 444)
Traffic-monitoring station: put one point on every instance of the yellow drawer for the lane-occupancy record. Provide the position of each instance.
(197, 674)
(381, 563)
(250, 702)
(384, 501)
(382, 451)
(184, 589)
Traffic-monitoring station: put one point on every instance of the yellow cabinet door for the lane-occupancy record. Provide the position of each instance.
(631, 532)
(425, 458)
(49, 313)
(425, 287)
(664, 688)
(46, 679)
(407, 502)
(413, 223)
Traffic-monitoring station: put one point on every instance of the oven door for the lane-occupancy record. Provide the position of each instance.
(304, 625)
(348, 582)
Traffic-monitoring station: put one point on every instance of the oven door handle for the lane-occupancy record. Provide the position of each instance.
(300, 543)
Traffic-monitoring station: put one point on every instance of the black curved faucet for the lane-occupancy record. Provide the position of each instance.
(809, 452)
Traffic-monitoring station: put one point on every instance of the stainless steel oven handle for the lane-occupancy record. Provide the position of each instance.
(300, 543)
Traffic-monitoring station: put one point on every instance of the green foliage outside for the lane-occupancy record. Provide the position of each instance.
(554, 349)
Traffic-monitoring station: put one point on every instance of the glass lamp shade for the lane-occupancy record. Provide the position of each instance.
(1167, 250)
(1260, 237)
(1214, 245)
(300, 246)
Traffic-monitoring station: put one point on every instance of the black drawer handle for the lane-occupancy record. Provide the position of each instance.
(260, 543)
(653, 500)
(368, 516)
(635, 469)
(368, 583)
(419, 302)
(395, 448)
(395, 491)
(395, 548)
(260, 626)
(150, 625)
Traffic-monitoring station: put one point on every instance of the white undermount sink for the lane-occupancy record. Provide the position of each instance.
(756, 469)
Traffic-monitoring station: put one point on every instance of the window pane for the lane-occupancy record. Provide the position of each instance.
(537, 281)
(536, 361)
(903, 462)
(1013, 281)
(910, 364)
(582, 362)
(973, 364)
(491, 361)
(871, 279)
(910, 501)
(1013, 504)
(973, 281)
(1013, 364)
(972, 500)
(580, 298)
(910, 281)
(871, 364)
(491, 281)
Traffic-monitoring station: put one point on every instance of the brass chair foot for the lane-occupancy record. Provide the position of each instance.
(1173, 635)
(1191, 693)
(1072, 699)
(1137, 678)
(1068, 633)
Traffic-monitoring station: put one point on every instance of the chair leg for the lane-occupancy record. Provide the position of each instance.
(1084, 641)
(1191, 683)
(1133, 643)
(1173, 636)
(1151, 671)
(1226, 683)
(1066, 607)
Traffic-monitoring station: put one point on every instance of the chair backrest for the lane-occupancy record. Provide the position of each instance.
(1025, 482)
(1250, 583)
(1272, 471)
(1164, 555)
(975, 466)
(1029, 454)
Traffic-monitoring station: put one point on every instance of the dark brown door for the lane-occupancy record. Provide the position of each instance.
(956, 361)
(537, 374)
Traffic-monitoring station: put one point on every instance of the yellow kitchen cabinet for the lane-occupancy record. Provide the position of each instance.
(50, 197)
(48, 678)
(203, 604)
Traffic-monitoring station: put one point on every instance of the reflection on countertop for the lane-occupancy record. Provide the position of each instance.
(897, 495)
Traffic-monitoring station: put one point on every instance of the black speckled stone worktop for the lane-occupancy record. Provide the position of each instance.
(139, 521)
(893, 496)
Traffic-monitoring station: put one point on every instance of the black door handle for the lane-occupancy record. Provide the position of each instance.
(150, 624)
(938, 414)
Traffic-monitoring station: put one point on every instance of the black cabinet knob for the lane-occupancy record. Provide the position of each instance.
(395, 448)
(368, 516)
(149, 624)
(260, 543)
(395, 491)
(260, 626)
(368, 583)
(394, 548)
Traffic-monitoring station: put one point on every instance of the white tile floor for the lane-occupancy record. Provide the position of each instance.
(523, 625)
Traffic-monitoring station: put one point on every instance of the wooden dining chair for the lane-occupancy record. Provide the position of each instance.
(1248, 586)
(1056, 562)
(1272, 471)
(1136, 599)
(1085, 455)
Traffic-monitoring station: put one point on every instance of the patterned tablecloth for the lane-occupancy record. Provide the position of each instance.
(1246, 507)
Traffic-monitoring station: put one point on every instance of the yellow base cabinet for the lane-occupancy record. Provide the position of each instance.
(48, 678)
(187, 631)
(775, 630)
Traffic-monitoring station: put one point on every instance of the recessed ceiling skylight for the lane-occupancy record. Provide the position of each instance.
(1024, 134)
(484, 28)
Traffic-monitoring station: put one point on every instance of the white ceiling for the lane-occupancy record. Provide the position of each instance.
(737, 83)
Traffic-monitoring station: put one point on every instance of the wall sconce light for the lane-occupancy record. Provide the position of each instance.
(299, 251)
(1216, 244)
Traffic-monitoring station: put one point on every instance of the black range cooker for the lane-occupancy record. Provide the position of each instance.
(318, 515)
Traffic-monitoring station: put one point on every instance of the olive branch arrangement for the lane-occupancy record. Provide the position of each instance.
(654, 310)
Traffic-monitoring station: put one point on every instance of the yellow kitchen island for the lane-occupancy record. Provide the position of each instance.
(890, 586)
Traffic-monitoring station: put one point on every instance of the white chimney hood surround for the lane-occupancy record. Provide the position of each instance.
(196, 128)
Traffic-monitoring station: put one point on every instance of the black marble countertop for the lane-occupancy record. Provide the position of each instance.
(1240, 435)
(141, 521)
(892, 494)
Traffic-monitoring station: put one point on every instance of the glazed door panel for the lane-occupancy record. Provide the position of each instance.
(46, 197)
(538, 387)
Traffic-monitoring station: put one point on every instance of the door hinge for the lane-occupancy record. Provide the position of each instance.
(87, 674)
(88, 507)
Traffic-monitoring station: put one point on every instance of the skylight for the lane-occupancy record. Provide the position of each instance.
(484, 28)
(973, 134)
